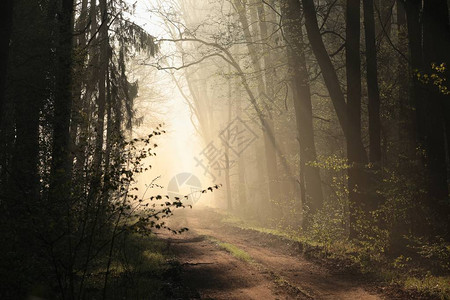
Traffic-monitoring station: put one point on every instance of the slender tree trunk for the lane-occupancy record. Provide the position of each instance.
(268, 126)
(372, 84)
(328, 72)
(60, 187)
(85, 102)
(78, 79)
(436, 40)
(349, 114)
(309, 176)
(6, 8)
(101, 100)
(355, 156)
(28, 72)
(406, 115)
(269, 97)
(241, 162)
(227, 148)
(63, 104)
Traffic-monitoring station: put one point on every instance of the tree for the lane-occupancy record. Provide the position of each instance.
(312, 198)
(372, 84)
(6, 23)
(63, 105)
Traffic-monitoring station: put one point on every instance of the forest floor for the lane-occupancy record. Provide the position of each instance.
(221, 261)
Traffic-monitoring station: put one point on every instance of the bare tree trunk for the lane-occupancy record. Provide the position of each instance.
(90, 89)
(241, 163)
(227, 148)
(6, 8)
(28, 83)
(354, 154)
(63, 103)
(79, 64)
(349, 114)
(311, 187)
(101, 100)
(372, 84)
(406, 115)
(268, 128)
(328, 72)
(436, 35)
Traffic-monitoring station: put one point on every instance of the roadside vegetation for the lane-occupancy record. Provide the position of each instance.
(422, 270)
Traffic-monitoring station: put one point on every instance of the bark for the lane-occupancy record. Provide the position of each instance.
(241, 163)
(372, 84)
(101, 100)
(349, 114)
(268, 126)
(90, 89)
(356, 159)
(227, 151)
(63, 104)
(312, 196)
(328, 72)
(435, 50)
(28, 72)
(427, 36)
(79, 80)
(6, 8)
(406, 117)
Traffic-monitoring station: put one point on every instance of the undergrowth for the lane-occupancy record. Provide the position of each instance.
(423, 269)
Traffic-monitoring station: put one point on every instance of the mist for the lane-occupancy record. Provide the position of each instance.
(224, 149)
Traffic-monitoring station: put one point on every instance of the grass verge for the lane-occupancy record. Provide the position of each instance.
(232, 249)
(403, 278)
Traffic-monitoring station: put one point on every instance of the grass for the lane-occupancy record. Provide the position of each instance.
(356, 257)
(438, 286)
(238, 222)
(232, 249)
(140, 269)
(235, 251)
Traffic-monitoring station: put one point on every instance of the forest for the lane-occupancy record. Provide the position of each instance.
(224, 149)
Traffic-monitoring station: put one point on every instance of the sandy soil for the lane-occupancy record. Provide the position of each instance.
(273, 273)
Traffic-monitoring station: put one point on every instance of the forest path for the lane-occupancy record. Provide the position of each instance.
(220, 261)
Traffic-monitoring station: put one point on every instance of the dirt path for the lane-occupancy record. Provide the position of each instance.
(270, 273)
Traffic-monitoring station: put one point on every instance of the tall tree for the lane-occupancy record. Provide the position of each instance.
(355, 156)
(63, 102)
(313, 198)
(6, 8)
(372, 83)
(29, 58)
(268, 128)
(427, 35)
(436, 29)
(348, 113)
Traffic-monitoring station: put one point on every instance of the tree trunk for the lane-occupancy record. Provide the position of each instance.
(63, 105)
(268, 127)
(101, 100)
(355, 156)
(28, 73)
(372, 84)
(6, 8)
(349, 114)
(436, 37)
(312, 192)
(241, 162)
(328, 72)
(406, 117)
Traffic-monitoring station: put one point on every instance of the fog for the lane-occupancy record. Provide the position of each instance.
(147, 145)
